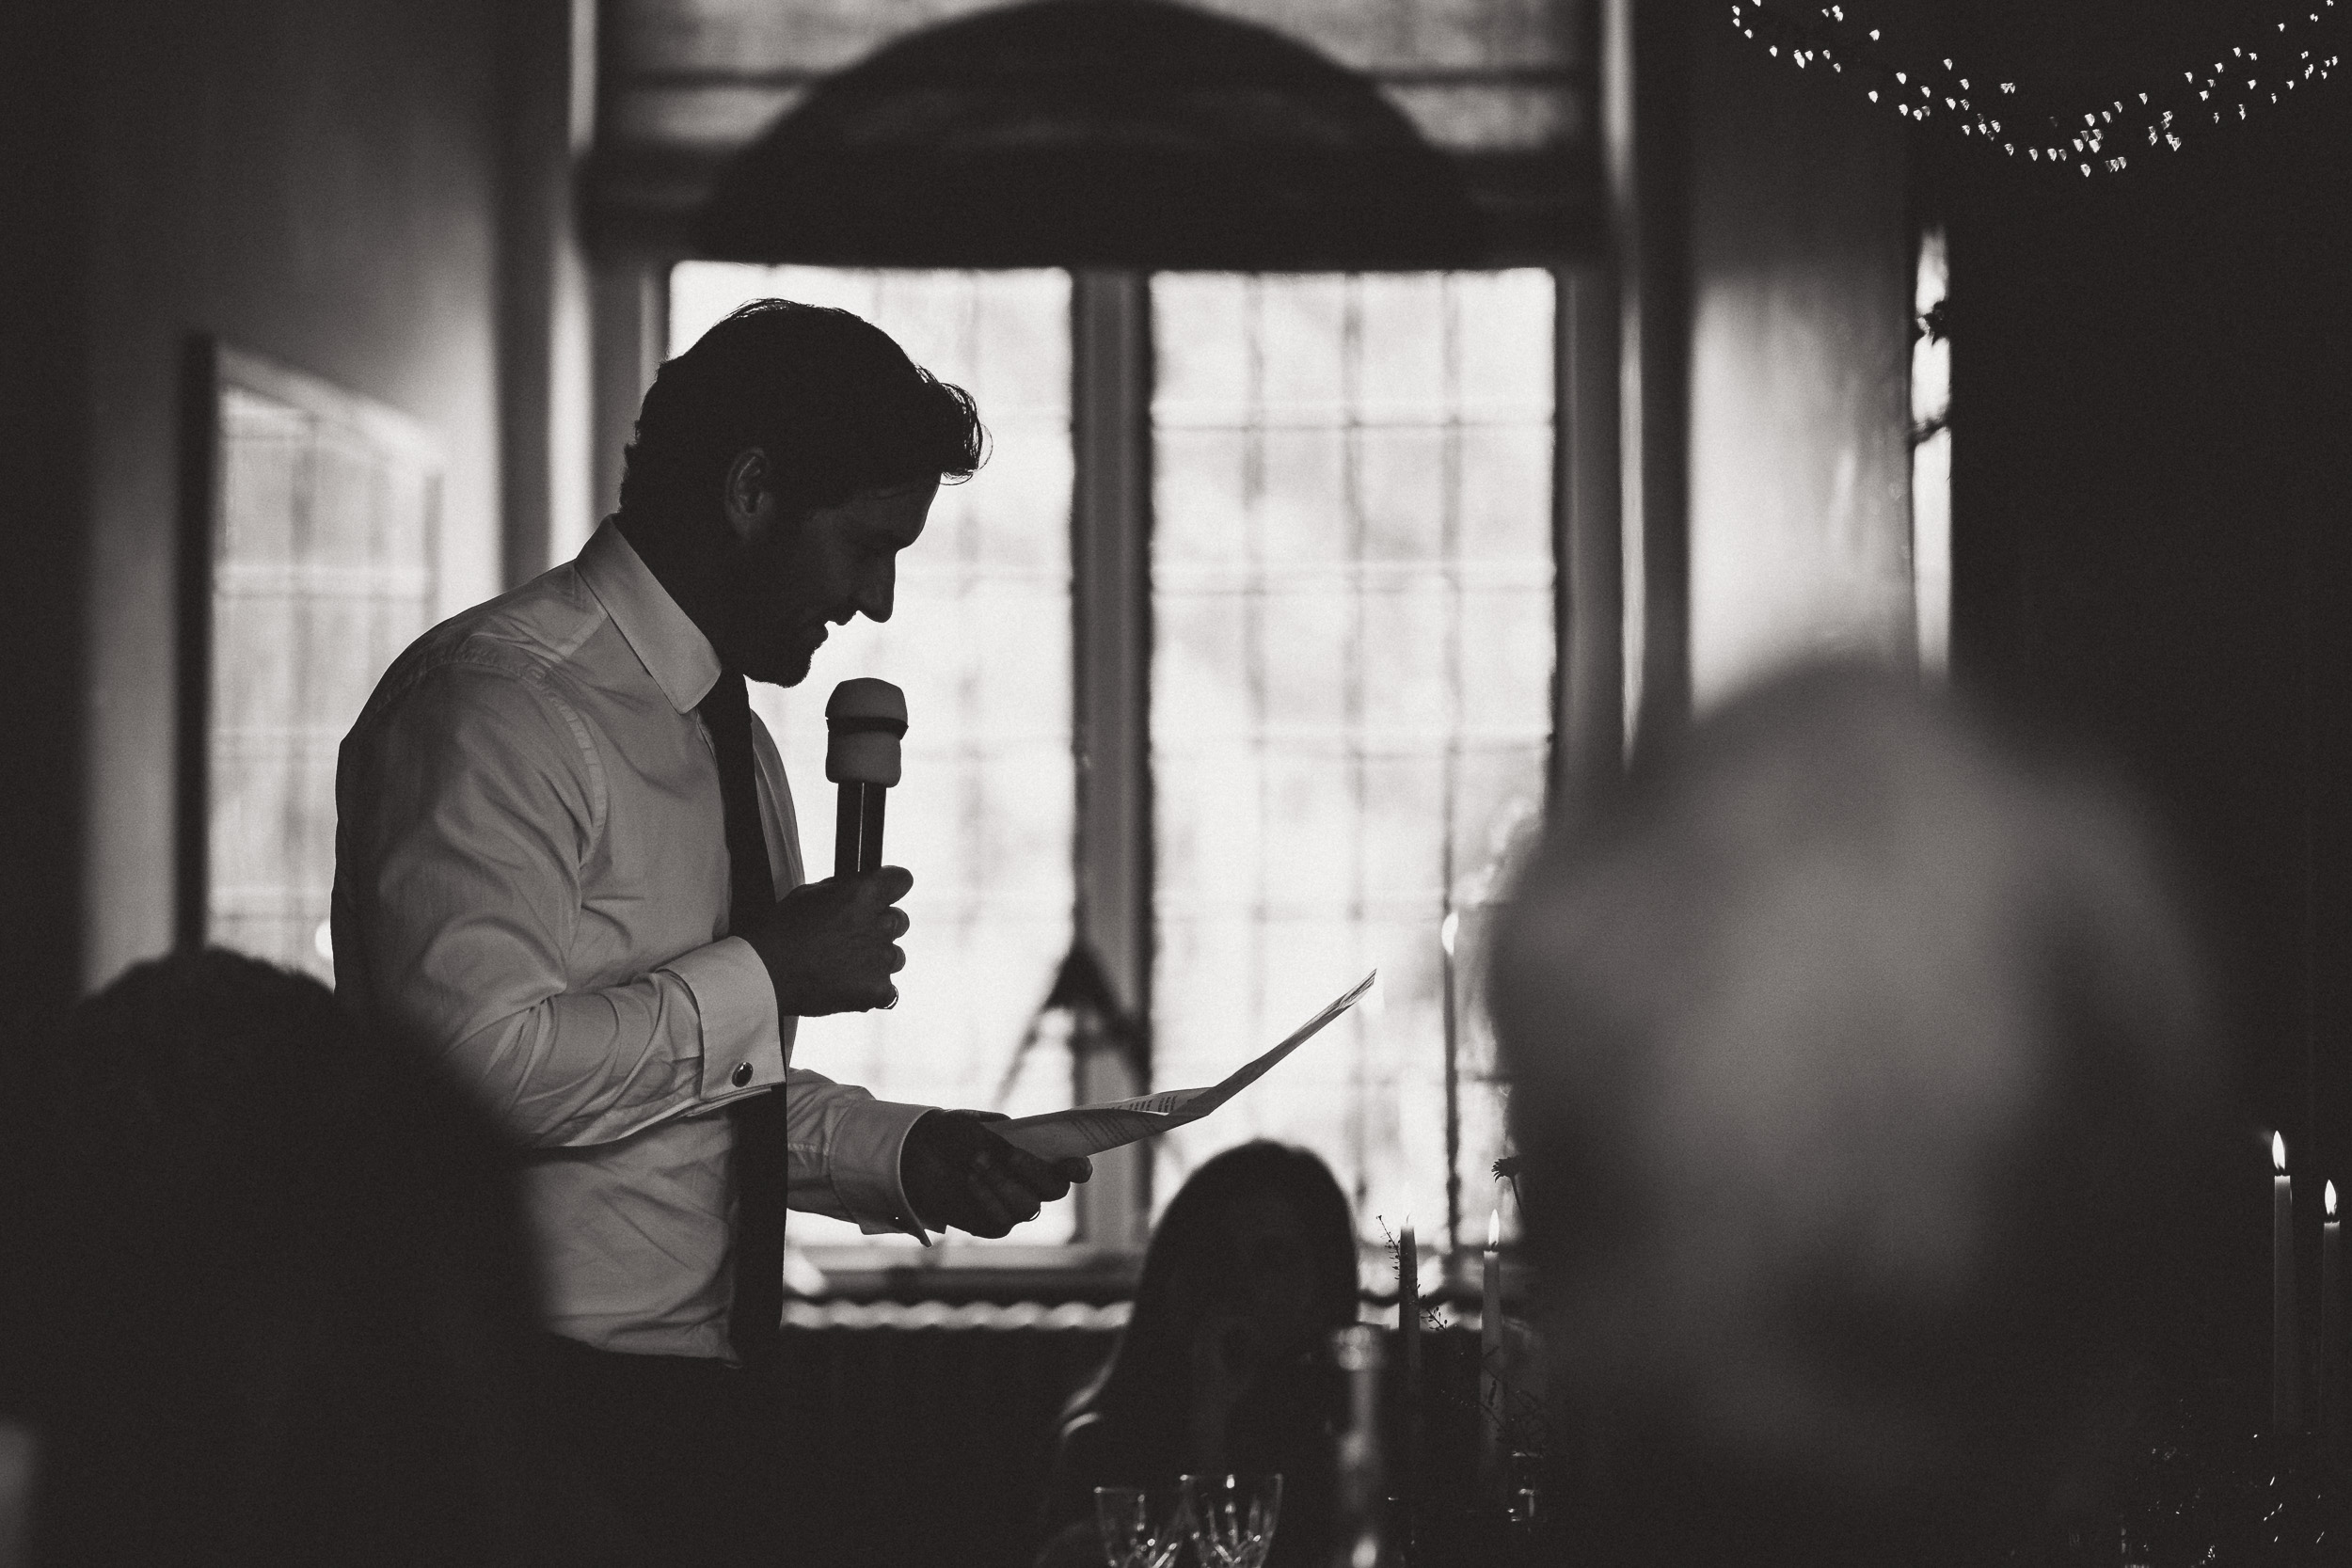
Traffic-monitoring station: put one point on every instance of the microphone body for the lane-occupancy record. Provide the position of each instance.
(864, 721)
(857, 828)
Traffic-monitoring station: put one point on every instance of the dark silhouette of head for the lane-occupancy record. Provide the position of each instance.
(838, 407)
(781, 465)
(1860, 1062)
(1259, 1236)
(269, 1288)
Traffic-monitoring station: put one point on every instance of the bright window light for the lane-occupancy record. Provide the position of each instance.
(1351, 699)
(1932, 460)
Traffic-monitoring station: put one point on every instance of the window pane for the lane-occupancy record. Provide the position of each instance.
(979, 640)
(1351, 699)
(1931, 458)
(322, 571)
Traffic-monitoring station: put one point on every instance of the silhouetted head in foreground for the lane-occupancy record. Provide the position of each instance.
(267, 1297)
(1860, 1062)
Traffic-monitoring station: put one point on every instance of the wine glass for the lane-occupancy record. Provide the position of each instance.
(1230, 1519)
(1130, 1539)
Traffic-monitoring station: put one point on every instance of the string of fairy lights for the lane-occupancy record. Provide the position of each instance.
(2298, 52)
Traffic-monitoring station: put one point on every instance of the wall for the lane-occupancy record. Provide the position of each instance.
(545, 380)
(2153, 514)
(41, 376)
(317, 182)
(1800, 308)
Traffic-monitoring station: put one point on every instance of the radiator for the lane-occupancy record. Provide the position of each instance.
(922, 1436)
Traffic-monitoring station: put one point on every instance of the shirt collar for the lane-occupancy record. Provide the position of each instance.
(667, 642)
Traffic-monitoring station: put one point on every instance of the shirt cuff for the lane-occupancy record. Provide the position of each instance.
(867, 1148)
(743, 1044)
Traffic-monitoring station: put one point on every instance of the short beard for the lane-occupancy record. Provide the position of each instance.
(790, 670)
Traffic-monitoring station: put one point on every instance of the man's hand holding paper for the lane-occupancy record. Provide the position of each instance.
(1090, 1129)
(957, 1172)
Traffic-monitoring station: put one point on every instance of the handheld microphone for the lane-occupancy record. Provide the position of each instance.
(864, 719)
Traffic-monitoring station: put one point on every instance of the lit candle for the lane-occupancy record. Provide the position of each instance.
(1447, 929)
(1490, 1350)
(1409, 1301)
(2286, 1411)
(2332, 1347)
(1408, 1330)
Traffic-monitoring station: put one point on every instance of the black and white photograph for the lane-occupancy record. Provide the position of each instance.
(1175, 784)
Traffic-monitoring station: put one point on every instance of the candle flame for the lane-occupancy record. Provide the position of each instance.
(2332, 1200)
(1447, 929)
(1494, 1229)
(2279, 1152)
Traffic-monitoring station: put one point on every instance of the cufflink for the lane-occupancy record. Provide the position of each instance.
(743, 1073)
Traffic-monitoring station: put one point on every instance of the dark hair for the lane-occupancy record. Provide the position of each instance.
(1189, 1262)
(272, 1293)
(838, 408)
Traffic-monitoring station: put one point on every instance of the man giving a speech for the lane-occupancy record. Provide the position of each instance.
(566, 864)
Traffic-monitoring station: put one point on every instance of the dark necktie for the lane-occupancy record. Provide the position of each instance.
(762, 1160)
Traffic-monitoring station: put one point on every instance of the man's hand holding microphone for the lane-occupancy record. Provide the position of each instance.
(833, 947)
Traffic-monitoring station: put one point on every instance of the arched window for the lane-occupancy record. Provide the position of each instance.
(1268, 538)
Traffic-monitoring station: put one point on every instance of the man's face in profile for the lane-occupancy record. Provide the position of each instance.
(799, 574)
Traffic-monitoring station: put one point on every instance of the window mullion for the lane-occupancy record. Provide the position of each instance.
(1110, 409)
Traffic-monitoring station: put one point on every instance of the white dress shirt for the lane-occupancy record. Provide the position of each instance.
(531, 879)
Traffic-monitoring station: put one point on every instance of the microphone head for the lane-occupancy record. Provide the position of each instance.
(864, 718)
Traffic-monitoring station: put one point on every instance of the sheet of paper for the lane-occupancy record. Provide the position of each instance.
(1092, 1129)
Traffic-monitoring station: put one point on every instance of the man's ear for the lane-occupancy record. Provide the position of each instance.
(748, 498)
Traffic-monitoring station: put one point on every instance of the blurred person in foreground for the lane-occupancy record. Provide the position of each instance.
(267, 1296)
(1221, 1368)
(1861, 1064)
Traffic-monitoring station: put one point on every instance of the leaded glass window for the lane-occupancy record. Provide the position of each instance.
(326, 509)
(1351, 697)
(1351, 601)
